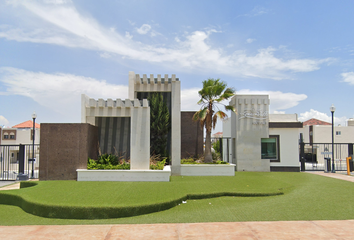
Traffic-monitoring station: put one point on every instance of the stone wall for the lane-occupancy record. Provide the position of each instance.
(192, 136)
(65, 147)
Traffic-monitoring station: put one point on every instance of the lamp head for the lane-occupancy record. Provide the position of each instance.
(34, 115)
(332, 108)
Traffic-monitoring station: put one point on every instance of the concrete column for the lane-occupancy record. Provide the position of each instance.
(132, 78)
(140, 137)
(176, 128)
(251, 125)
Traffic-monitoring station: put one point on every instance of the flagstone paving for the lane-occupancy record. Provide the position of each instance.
(227, 230)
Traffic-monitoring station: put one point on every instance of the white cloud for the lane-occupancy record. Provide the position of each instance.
(322, 116)
(278, 100)
(250, 40)
(144, 29)
(64, 25)
(348, 77)
(3, 121)
(189, 99)
(127, 35)
(105, 55)
(256, 11)
(279, 112)
(59, 91)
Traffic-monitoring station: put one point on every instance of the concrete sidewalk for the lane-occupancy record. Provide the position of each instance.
(228, 230)
(337, 175)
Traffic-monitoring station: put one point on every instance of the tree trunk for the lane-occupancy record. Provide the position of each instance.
(207, 153)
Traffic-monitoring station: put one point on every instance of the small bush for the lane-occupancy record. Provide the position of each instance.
(194, 161)
(159, 165)
(188, 161)
(216, 146)
(108, 161)
(216, 156)
(112, 162)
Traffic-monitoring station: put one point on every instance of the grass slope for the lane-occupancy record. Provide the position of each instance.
(101, 200)
(307, 197)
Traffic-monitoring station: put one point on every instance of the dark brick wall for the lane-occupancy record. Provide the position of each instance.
(191, 136)
(65, 147)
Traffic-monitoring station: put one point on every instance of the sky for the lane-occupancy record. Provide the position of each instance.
(300, 53)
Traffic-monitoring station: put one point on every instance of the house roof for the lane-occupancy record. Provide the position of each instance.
(314, 121)
(27, 124)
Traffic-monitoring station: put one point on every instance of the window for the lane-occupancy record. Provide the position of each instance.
(12, 136)
(338, 132)
(9, 134)
(270, 148)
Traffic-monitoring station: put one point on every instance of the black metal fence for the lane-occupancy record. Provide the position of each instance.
(315, 155)
(18, 159)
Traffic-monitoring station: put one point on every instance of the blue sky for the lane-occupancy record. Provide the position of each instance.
(299, 52)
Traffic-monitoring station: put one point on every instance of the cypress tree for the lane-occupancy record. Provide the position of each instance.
(159, 125)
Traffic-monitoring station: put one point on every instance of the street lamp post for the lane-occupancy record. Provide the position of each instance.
(332, 108)
(34, 116)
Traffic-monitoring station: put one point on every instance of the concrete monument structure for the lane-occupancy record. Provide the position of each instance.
(111, 112)
(171, 89)
(251, 125)
(255, 140)
(125, 124)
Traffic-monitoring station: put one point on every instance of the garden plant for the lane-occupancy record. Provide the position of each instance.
(211, 95)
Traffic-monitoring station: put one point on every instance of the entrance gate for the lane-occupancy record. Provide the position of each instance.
(16, 159)
(314, 156)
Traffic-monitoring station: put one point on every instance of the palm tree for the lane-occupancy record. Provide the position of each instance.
(211, 95)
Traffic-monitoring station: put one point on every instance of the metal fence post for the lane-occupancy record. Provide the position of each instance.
(220, 147)
(21, 160)
(302, 153)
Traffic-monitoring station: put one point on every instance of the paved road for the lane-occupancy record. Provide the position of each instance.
(229, 230)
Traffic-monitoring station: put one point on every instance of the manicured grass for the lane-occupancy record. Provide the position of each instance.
(306, 197)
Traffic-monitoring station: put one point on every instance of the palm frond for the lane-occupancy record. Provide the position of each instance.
(231, 108)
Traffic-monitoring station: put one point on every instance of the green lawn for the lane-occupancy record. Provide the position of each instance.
(305, 197)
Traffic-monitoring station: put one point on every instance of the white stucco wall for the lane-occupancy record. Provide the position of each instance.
(288, 145)
(323, 134)
(23, 136)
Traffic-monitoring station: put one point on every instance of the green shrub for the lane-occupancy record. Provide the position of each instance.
(193, 161)
(159, 165)
(216, 156)
(216, 146)
(111, 162)
(188, 161)
(107, 161)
